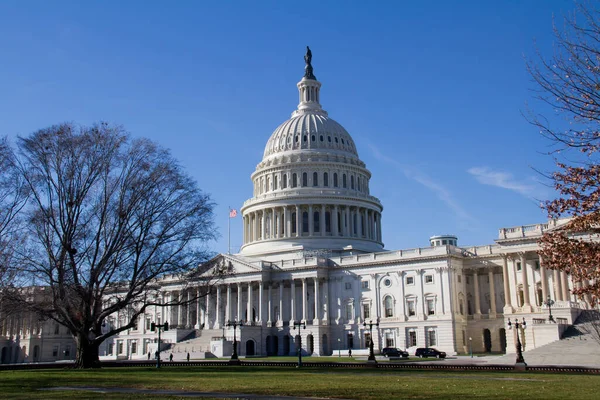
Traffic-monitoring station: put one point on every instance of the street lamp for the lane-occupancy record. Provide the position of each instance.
(339, 348)
(160, 327)
(234, 355)
(370, 326)
(522, 325)
(471, 346)
(299, 349)
(549, 302)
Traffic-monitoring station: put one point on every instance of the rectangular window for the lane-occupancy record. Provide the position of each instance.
(468, 280)
(518, 266)
(428, 278)
(56, 329)
(54, 351)
(349, 313)
(431, 338)
(410, 280)
(365, 284)
(411, 307)
(348, 286)
(134, 347)
(458, 278)
(68, 351)
(389, 342)
(430, 307)
(148, 323)
(110, 349)
(366, 311)
(412, 339)
(120, 347)
(537, 265)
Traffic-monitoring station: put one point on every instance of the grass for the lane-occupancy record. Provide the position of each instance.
(316, 382)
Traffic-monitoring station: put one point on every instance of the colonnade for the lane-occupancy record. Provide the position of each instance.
(246, 301)
(312, 220)
(518, 261)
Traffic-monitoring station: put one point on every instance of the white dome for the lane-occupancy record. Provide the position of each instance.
(310, 131)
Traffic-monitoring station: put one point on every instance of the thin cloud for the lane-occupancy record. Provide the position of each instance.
(504, 180)
(440, 191)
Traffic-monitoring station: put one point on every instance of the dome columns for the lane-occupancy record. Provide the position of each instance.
(312, 221)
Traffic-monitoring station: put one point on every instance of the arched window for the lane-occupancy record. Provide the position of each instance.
(352, 182)
(388, 304)
(354, 224)
(304, 179)
(358, 183)
(339, 224)
(267, 188)
(362, 225)
(305, 222)
(327, 222)
(316, 225)
(275, 182)
(293, 223)
(325, 179)
(344, 184)
(315, 179)
(284, 181)
(335, 180)
(294, 180)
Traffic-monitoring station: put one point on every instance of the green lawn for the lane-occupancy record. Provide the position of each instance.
(319, 382)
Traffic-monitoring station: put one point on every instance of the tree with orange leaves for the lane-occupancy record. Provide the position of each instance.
(569, 83)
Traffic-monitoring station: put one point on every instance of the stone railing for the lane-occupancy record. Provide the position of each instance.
(286, 194)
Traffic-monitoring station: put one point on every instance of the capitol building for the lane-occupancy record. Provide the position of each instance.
(313, 273)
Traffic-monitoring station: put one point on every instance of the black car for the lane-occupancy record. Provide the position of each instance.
(429, 352)
(393, 352)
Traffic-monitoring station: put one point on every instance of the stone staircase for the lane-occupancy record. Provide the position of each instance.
(197, 343)
(579, 346)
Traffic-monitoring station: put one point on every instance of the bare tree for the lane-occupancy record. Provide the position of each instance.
(13, 195)
(108, 215)
(569, 83)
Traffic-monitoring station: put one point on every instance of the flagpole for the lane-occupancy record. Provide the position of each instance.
(229, 231)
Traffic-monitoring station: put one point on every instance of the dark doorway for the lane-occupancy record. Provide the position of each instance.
(286, 345)
(36, 353)
(275, 345)
(350, 341)
(311, 344)
(324, 345)
(502, 334)
(269, 345)
(487, 340)
(249, 348)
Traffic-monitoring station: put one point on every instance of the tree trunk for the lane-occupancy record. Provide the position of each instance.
(87, 353)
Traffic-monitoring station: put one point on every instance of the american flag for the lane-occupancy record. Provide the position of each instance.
(232, 213)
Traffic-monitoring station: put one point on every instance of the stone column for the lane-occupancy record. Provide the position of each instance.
(260, 301)
(207, 312)
(280, 318)
(228, 305)
(187, 319)
(358, 223)
(311, 225)
(565, 286)
(526, 301)
(326, 300)
(179, 310)
(270, 305)
(298, 226)
(508, 308)
(303, 299)
(544, 279)
(557, 286)
(288, 222)
(263, 228)
(322, 220)
(239, 315)
(492, 294)
(218, 309)
(401, 300)
(347, 230)
(317, 302)
(477, 297)
(249, 308)
(293, 302)
(335, 223)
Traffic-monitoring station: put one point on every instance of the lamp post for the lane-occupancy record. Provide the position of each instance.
(234, 355)
(522, 326)
(299, 349)
(153, 327)
(471, 346)
(370, 326)
(339, 348)
(549, 302)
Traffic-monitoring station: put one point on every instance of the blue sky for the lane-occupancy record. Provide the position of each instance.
(432, 92)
